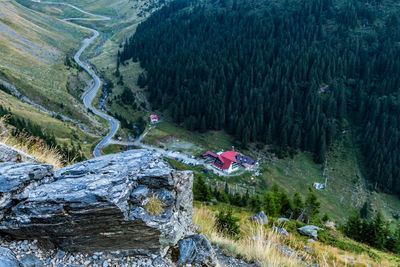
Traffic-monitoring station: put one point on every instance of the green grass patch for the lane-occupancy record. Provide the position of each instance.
(112, 149)
(166, 133)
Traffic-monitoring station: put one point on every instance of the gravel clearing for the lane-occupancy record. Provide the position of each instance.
(30, 253)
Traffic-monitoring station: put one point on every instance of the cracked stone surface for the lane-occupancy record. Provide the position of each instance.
(92, 206)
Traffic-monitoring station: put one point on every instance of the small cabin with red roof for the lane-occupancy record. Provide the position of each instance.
(153, 118)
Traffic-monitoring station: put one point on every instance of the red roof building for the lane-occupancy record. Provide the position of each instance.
(227, 161)
(153, 118)
(210, 154)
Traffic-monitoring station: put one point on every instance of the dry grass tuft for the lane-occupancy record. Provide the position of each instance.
(252, 246)
(154, 206)
(250, 249)
(32, 146)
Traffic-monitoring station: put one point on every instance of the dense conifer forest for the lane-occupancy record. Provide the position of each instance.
(294, 73)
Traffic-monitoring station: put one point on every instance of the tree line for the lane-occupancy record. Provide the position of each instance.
(275, 203)
(375, 232)
(288, 73)
(360, 226)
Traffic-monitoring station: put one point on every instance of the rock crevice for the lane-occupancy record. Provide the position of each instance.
(98, 205)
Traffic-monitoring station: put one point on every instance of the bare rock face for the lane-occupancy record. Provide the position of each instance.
(10, 154)
(7, 258)
(17, 180)
(98, 205)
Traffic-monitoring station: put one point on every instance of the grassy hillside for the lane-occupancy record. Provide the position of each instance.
(332, 248)
(55, 10)
(33, 50)
(127, 15)
(65, 133)
(346, 180)
(346, 188)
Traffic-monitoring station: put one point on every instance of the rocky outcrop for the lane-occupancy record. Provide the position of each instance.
(280, 230)
(10, 154)
(197, 251)
(30, 260)
(17, 180)
(259, 218)
(7, 258)
(310, 230)
(98, 205)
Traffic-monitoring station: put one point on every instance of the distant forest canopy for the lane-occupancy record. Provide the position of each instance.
(294, 73)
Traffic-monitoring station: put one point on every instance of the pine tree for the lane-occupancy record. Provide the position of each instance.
(312, 205)
(245, 199)
(203, 127)
(286, 204)
(325, 218)
(379, 237)
(226, 188)
(201, 191)
(255, 203)
(270, 205)
(354, 227)
(226, 223)
(365, 210)
(223, 197)
(396, 247)
(298, 204)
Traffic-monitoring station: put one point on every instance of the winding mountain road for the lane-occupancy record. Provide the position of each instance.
(89, 96)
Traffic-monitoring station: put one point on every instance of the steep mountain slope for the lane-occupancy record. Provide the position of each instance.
(173, 76)
(295, 74)
(33, 58)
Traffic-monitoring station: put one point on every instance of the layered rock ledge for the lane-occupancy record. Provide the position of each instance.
(98, 205)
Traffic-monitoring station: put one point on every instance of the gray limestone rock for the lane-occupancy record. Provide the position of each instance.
(196, 250)
(30, 260)
(7, 258)
(187, 252)
(310, 230)
(280, 230)
(17, 180)
(60, 254)
(89, 206)
(140, 194)
(259, 218)
(10, 154)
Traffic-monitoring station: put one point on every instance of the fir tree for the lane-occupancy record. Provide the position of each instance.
(312, 205)
(201, 191)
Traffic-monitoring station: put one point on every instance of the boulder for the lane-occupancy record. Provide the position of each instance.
(197, 251)
(259, 218)
(280, 230)
(7, 258)
(30, 260)
(310, 230)
(91, 206)
(187, 252)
